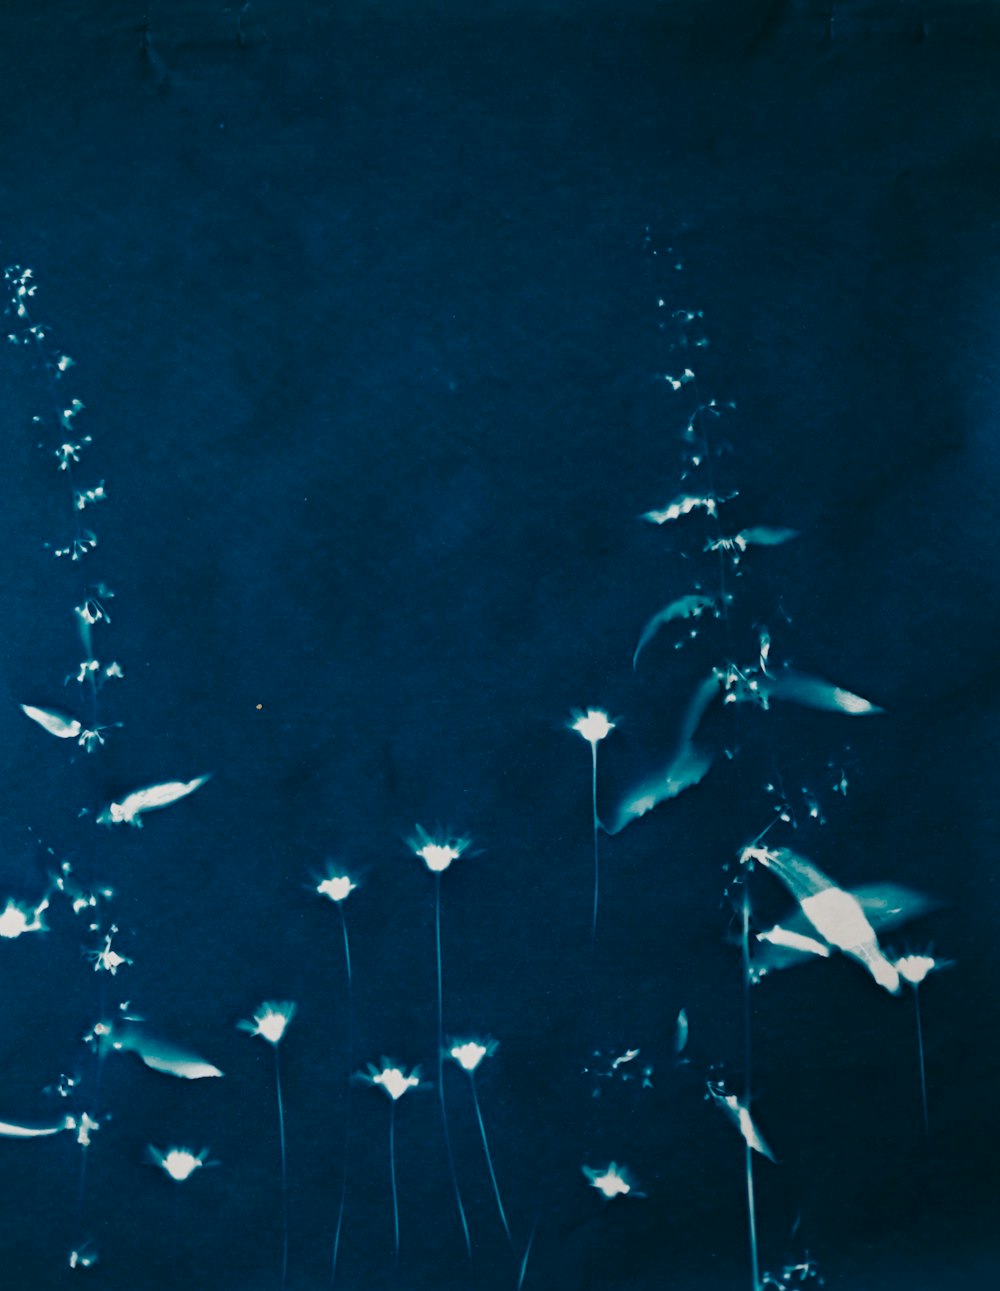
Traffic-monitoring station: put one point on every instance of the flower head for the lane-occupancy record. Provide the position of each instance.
(470, 1053)
(392, 1079)
(614, 1181)
(594, 725)
(914, 968)
(270, 1020)
(436, 853)
(179, 1163)
(337, 887)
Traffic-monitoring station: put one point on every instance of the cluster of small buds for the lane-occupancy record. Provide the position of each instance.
(67, 414)
(793, 1275)
(675, 383)
(106, 958)
(83, 498)
(82, 1257)
(70, 452)
(20, 284)
(93, 670)
(92, 611)
(63, 1087)
(78, 547)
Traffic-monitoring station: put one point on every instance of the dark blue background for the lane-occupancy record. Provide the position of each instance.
(364, 316)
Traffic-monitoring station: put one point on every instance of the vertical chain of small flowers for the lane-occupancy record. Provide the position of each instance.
(66, 446)
(91, 674)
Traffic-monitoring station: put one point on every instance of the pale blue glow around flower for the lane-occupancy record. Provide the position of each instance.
(178, 1163)
(437, 853)
(612, 1181)
(914, 968)
(470, 1053)
(337, 887)
(270, 1021)
(393, 1080)
(594, 725)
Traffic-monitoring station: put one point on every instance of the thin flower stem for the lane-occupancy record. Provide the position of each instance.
(527, 1253)
(747, 1083)
(347, 1103)
(284, 1173)
(489, 1158)
(923, 1072)
(440, 1069)
(597, 863)
(392, 1177)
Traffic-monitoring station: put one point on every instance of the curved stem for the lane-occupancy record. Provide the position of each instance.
(923, 1073)
(489, 1158)
(747, 1086)
(284, 1172)
(440, 1069)
(527, 1254)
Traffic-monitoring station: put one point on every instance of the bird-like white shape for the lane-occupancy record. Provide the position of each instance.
(130, 809)
(837, 916)
(52, 720)
(793, 941)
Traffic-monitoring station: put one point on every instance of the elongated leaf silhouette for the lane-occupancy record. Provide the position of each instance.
(55, 722)
(9, 1131)
(739, 1114)
(168, 1058)
(685, 607)
(687, 767)
(813, 692)
(132, 806)
(756, 536)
